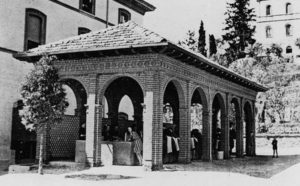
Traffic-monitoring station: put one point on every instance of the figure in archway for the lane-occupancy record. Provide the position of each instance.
(133, 136)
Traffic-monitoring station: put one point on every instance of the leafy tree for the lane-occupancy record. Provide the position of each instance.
(239, 31)
(190, 42)
(271, 70)
(212, 45)
(202, 40)
(44, 99)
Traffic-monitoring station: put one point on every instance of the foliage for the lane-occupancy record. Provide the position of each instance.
(202, 40)
(212, 45)
(271, 70)
(43, 95)
(239, 31)
(194, 43)
(190, 42)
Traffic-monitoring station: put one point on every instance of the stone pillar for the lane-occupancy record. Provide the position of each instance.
(239, 131)
(226, 127)
(91, 122)
(253, 127)
(184, 135)
(207, 136)
(98, 133)
(147, 131)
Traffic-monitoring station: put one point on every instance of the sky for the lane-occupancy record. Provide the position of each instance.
(173, 18)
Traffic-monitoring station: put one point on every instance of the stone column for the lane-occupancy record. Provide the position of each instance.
(147, 131)
(253, 128)
(226, 127)
(239, 131)
(207, 136)
(90, 122)
(184, 135)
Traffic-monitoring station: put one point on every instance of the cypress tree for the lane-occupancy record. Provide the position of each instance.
(212, 45)
(239, 31)
(201, 40)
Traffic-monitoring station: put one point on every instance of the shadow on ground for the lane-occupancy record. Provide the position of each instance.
(259, 166)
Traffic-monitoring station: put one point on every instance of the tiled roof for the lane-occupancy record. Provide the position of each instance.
(124, 35)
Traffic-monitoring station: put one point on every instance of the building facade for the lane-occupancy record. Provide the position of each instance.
(278, 22)
(153, 72)
(26, 24)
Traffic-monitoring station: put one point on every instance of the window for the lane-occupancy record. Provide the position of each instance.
(288, 30)
(124, 16)
(288, 8)
(35, 29)
(268, 32)
(268, 10)
(289, 50)
(83, 30)
(87, 6)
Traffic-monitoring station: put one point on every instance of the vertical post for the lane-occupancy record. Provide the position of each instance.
(253, 129)
(185, 135)
(207, 135)
(90, 122)
(147, 130)
(239, 131)
(226, 127)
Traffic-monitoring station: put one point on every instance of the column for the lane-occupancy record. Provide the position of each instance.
(253, 128)
(147, 131)
(207, 136)
(226, 127)
(90, 122)
(184, 135)
(239, 131)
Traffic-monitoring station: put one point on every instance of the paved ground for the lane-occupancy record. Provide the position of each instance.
(261, 170)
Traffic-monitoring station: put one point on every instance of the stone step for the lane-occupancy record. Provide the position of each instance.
(69, 164)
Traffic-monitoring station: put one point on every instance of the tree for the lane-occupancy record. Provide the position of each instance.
(267, 66)
(190, 42)
(212, 45)
(43, 98)
(239, 31)
(202, 40)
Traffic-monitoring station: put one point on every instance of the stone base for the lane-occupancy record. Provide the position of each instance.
(80, 155)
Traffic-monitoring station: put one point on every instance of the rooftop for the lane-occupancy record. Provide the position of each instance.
(128, 38)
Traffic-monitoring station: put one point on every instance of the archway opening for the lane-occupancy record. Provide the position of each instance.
(23, 141)
(235, 129)
(249, 142)
(218, 126)
(63, 136)
(198, 120)
(170, 124)
(122, 102)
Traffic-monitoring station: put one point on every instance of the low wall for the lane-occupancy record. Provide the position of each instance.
(63, 138)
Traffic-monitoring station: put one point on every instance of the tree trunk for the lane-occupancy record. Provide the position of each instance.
(40, 169)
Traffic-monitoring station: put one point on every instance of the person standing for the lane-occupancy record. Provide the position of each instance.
(133, 136)
(274, 144)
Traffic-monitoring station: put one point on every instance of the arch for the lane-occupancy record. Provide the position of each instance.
(115, 90)
(179, 90)
(173, 100)
(268, 10)
(124, 16)
(106, 84)
(218, 124)
(249, 129)
(199, 116)
(268, 31)
(235, 131)
(289, 50)
(288, 8)
(73, 127)
(288, 29)
(126, 106)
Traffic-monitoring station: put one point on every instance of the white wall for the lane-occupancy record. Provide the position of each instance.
(61, 23)
(277, 20)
